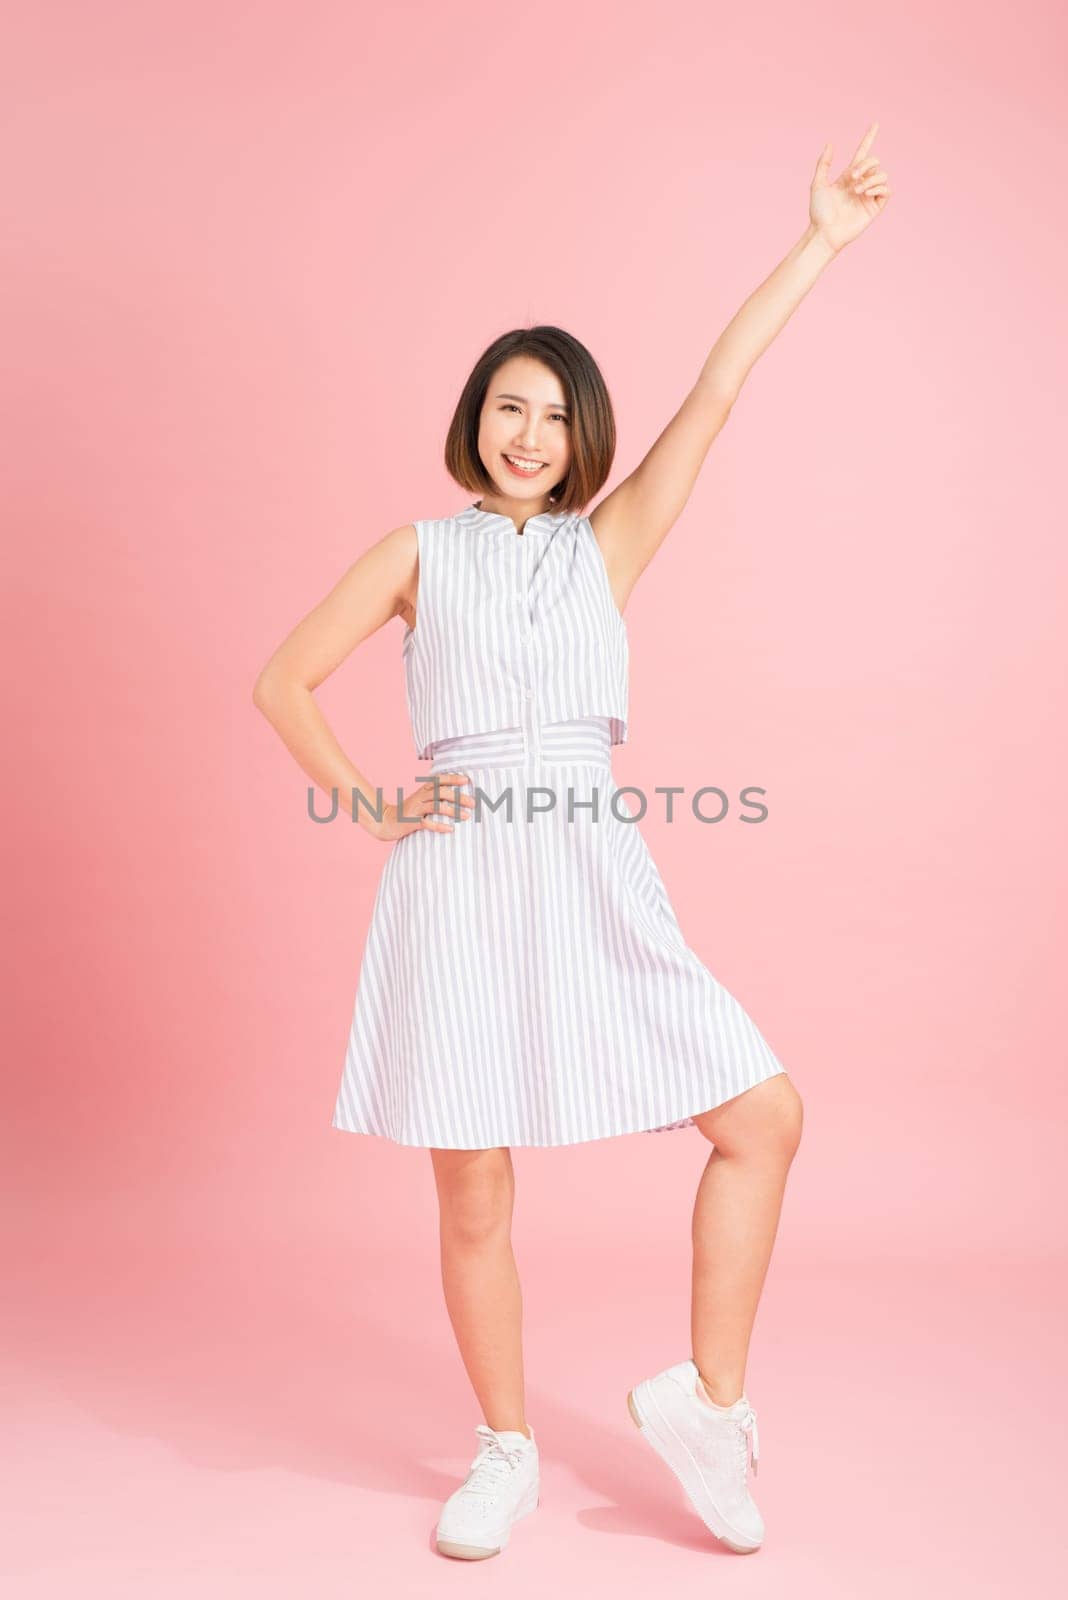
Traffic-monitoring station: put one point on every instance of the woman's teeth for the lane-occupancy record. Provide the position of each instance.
(530, 468)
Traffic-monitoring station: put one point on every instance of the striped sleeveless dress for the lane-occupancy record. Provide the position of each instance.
(524, 979)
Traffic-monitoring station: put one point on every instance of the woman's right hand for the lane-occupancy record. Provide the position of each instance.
(441, 793)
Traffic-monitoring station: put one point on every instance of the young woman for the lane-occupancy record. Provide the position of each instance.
(525, 981)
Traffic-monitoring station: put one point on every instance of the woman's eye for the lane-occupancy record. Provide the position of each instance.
(509, 406)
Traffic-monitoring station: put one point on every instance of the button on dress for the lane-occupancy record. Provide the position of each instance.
(524, 979)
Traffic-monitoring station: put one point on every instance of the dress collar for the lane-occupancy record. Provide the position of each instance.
(496, 522)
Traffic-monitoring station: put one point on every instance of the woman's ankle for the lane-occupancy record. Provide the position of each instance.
(716, 1395)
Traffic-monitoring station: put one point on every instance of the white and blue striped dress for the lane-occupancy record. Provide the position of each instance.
(524, 978)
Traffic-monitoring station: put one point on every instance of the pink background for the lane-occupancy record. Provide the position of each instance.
(251, 253)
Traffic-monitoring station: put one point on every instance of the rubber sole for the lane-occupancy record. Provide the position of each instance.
(647, 1427)
(478, 1552)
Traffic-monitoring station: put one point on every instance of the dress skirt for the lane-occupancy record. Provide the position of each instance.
(524, 978)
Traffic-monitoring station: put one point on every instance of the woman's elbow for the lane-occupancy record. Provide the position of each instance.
(264, 690)
(275, 687)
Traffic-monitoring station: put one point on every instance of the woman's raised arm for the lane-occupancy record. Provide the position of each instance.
(632, 521)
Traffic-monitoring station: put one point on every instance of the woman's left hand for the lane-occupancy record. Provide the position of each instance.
(841, 210)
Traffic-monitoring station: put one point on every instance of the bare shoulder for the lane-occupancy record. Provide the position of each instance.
(404, 538)
(608, 521)
(402, 546)
(605, 520)
(390, 566)
(374, 589)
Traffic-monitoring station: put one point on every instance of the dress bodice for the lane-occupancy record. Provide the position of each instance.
(512, 630)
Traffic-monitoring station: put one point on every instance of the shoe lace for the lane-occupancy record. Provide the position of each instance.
(747, 1425)
(493, 1465)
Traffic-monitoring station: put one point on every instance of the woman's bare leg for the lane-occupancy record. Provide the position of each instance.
(476, 1192)
(735, 1219)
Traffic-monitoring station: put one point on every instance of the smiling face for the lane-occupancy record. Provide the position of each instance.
(524, 436)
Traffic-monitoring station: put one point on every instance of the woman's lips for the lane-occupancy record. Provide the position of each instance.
(522, 472)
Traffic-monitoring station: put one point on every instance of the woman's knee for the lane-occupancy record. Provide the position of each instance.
(476, 1191)
(764, 1120)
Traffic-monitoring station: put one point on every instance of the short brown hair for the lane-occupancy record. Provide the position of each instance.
(593, 425)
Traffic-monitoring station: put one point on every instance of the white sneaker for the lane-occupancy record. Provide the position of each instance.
(503, 1485)
(707, 1450)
